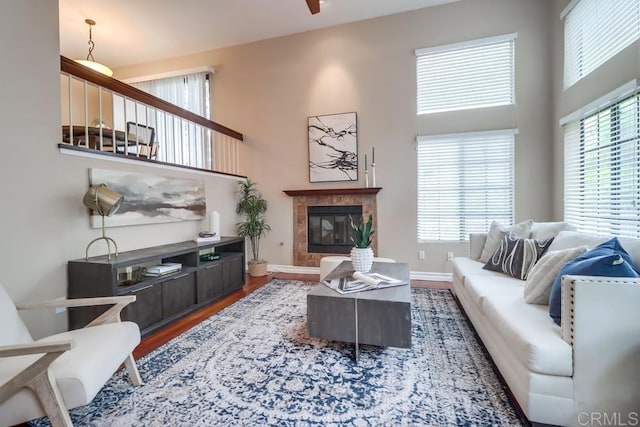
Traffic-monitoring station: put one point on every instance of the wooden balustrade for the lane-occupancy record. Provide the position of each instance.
(181, 138)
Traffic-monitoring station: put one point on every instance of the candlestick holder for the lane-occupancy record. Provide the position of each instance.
(373, 174)
(366, 179)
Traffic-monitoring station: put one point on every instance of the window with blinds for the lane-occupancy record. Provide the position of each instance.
(465, 181)
(474, 74)
(602, 169)
(595, 31)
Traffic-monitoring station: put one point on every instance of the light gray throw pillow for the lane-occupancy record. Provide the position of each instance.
(497, 232)
(544, 230)
(537, 289)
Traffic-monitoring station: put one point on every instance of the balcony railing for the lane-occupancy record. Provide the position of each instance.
(106, 116)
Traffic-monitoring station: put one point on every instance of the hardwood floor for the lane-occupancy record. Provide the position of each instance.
(161, 337)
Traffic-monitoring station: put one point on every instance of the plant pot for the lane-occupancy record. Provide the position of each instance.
(257, 269)
(362, 259)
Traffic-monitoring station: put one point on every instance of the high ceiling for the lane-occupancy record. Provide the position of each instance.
(137, 31)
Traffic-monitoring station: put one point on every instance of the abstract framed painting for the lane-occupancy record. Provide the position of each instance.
(333, 147)
(150, 199)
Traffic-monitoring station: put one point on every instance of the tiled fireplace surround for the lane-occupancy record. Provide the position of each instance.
(367, 197)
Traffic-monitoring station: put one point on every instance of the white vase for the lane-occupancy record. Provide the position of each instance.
(362, 259)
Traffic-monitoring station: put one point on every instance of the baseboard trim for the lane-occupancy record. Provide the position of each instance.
(414, 275)
(431, 276)
(295, 269)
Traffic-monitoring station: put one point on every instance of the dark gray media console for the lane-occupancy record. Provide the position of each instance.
(160, 299)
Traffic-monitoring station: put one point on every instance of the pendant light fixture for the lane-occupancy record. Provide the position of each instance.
(90, 62)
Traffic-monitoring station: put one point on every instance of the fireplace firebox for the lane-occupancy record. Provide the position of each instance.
(329, 230)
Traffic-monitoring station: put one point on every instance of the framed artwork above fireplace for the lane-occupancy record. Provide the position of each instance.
(333, 147)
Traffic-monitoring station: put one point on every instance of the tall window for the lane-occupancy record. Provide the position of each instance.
(178, 140)
(602, 168)
(595, 31)
(465, 181)
(460, 76)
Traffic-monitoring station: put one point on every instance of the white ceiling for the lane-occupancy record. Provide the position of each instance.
(138, 31)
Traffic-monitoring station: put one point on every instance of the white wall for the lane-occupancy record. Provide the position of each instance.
(268, 89)
(43, 222)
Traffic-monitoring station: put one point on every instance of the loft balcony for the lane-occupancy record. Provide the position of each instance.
(104, 116)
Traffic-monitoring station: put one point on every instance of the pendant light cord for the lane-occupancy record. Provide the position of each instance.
(91, 43)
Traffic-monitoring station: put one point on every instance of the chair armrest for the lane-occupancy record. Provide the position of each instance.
(601, 321)
(476, 244)
(110, 316)
(78, 302)
(36, 375)
(35, 348)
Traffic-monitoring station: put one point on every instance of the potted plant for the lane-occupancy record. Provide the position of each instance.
(252, 206)
(362, 254)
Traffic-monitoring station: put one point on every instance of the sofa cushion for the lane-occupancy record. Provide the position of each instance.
(572, 239)
(608, 259)
(533, 338)
(544, 230)
(482, 286)
(463, 267)
(516, 256)
(497, 232)
(538, 287)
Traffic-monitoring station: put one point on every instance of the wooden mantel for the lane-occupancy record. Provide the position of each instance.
(332, 192)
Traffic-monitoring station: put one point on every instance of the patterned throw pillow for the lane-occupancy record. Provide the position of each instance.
(516, 257)
(540, 280)
(497, 232)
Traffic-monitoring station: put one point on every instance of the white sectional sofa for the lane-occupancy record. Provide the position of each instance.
(589, 377)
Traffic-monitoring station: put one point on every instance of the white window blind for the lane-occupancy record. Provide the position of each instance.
(190, 91)
(594, 32)
(474, 74)
(602, 169)
(465, 181)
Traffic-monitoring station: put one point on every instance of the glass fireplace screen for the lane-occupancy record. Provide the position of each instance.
(329, 230)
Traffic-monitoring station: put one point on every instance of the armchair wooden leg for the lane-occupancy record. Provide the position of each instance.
(44, 385)
(132, 369)
(40, 380)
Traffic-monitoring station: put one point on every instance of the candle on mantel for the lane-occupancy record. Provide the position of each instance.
(365, 162)
(373, 156)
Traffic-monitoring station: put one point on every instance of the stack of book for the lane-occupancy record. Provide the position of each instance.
(163, 269)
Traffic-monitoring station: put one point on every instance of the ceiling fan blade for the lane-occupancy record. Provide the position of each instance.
(314, 6)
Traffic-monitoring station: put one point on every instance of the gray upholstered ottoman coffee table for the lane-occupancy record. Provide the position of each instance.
(379, 317)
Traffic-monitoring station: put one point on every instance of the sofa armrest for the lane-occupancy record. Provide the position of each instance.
(601, 321)
(476, 244)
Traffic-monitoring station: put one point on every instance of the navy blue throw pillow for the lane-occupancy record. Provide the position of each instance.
(609, 259)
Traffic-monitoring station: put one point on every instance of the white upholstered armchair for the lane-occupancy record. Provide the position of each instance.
(49, 376)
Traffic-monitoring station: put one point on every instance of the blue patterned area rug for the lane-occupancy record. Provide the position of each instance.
(253, 364)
